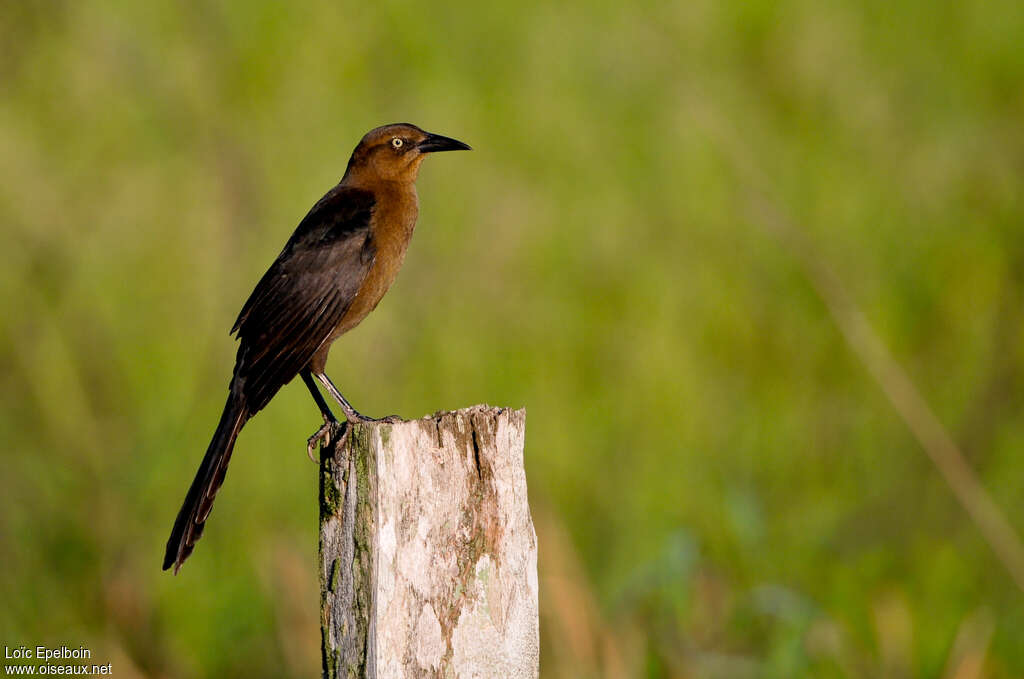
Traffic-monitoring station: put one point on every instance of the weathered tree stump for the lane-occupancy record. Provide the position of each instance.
(427, 551)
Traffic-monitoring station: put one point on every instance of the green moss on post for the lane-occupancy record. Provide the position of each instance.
(347, 469)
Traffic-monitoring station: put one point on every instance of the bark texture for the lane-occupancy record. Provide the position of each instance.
(428, 554)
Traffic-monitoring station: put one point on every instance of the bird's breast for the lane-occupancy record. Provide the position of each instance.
(391, 229)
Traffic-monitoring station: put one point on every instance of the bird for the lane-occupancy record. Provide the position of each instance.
(332, 272)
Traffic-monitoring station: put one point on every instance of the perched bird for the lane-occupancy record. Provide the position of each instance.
(332, 272)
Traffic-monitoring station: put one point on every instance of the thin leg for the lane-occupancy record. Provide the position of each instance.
(318, 397)
(351, 413)
(324, 432)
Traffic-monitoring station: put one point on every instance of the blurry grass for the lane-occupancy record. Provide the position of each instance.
(720, 490)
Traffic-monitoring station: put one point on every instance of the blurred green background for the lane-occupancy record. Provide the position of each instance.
(720, 488)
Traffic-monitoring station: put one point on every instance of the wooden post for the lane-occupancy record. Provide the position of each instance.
(428, 555)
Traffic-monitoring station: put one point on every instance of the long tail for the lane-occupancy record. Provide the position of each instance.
(188, 527)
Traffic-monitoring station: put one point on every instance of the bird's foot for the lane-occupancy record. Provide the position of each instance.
(355, 417)
(358, 417)
(322, 436)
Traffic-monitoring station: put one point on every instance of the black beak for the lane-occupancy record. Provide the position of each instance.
(435, 142)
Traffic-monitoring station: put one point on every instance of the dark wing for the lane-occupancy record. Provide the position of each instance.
(303, 296)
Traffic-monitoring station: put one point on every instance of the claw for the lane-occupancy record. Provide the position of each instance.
(322, 434)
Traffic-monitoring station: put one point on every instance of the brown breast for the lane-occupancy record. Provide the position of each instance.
(391, 228)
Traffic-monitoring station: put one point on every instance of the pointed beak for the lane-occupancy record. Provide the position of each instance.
(435, 142)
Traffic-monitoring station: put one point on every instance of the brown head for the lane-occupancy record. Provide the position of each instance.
(394, 153)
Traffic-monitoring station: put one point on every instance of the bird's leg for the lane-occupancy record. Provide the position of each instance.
(324, 432)
(351, 413)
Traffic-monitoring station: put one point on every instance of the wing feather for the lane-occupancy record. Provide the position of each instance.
(304, 294)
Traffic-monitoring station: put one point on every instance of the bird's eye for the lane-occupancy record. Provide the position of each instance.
(397, 142)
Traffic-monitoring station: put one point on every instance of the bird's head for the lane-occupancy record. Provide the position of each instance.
(394, 153)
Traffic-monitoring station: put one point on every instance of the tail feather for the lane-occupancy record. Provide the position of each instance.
(188, 527)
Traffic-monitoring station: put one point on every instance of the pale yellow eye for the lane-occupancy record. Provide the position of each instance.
(397, 143)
